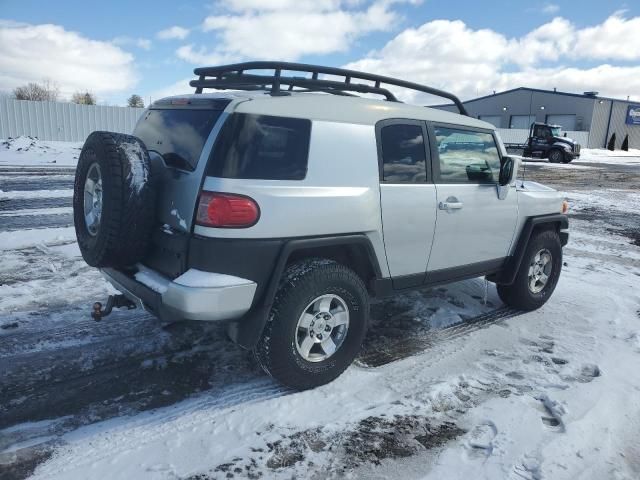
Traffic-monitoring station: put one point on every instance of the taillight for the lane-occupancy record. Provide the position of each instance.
(226, 210)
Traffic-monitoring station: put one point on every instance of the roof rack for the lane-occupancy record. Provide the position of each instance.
(234, 77)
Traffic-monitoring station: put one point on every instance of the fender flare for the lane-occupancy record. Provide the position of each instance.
(247, 331)
(508, 274)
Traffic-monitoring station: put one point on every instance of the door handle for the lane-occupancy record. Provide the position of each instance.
(450, 205)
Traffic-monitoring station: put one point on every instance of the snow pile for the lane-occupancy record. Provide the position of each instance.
(198, 278)
(600, 155)
(31, 151)
(13, 240)
(139, 174)
(151, 279)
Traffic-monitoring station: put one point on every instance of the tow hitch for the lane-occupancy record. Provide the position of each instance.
(117, 301)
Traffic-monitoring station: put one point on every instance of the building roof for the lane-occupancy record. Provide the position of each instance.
(539, 90)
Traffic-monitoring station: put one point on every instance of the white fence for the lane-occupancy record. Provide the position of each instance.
(66, 122)
(70, 122)
(517, 135)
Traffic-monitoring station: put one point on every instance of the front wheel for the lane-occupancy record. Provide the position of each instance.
(556, 156)
(316, 326)
(538, 274)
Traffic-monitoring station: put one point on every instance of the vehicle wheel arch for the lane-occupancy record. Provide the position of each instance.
(532, 226)
(353, 250)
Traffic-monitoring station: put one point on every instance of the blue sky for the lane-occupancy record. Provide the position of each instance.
(115, 48)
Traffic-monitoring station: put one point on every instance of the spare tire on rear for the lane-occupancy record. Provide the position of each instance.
(114, 200)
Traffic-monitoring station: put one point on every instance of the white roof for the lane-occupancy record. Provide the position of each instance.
(336, 108)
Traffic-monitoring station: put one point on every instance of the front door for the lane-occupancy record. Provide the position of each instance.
(540, 140)
(474, 228)
(407, 198)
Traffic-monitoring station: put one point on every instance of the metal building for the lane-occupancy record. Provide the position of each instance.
(588, 112)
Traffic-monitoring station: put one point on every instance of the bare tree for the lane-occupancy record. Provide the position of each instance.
(84, 98)
(135, 101)
(41, 92)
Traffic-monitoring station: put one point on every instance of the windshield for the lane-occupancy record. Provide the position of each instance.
(556, 131)
(178, 135)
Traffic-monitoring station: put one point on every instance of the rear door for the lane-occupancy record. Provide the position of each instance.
(407, 197)
(177, 133)
(541, 139)
(474, 228)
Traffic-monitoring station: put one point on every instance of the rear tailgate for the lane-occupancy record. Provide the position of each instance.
(179, 133)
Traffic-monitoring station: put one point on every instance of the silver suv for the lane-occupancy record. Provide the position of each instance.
(284, 206)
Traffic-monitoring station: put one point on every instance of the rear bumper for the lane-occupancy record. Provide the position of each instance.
(193, 296)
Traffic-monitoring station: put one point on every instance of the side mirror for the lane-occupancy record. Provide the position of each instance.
(506, 171)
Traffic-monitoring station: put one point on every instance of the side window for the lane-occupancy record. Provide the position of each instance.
(467, 156)
(262, 147)
(540, 131)
(403, 154)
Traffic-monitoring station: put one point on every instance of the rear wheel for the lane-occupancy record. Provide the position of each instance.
(538, 274)
(316, 326)
(556, 156)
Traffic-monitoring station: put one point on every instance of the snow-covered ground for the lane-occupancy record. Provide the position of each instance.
(595, 155)
(601, 155)
(450, 384)
(31, 151)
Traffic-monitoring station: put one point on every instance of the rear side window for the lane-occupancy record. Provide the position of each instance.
(467, 156)
(262, 147)
(178, 135)
(403, 154)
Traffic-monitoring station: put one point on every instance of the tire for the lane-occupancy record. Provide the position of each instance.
(118, 233)
(278, 349)
(520, 294)
(556, 156)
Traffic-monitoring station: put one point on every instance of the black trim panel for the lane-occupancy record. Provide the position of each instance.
(246, 332)
(253, 259)
(386, 287)
(408, 281)
(454, 274)
(508, 274)
(168, 252)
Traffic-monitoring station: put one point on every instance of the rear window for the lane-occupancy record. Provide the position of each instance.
(177, 134)
(262, 147)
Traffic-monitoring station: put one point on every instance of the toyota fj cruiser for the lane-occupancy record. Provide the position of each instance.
(284, 206)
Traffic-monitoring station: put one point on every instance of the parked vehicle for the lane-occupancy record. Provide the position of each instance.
(283, 208)
(547, 141)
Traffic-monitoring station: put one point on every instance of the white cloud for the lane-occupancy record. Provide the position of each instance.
(451, 56)
(200, 56)
(173, 33)
(615, 38)
(177, 88)
(550, 41)
(550, 8)
(30, 53)
(288, 29)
